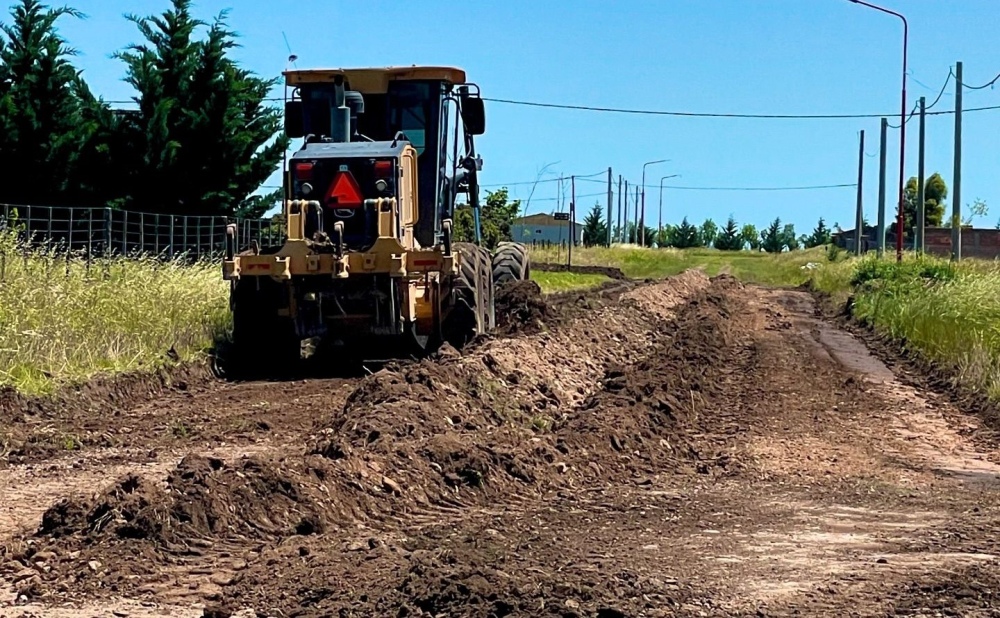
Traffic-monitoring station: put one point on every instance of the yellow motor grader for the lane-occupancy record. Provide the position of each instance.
(370, 266)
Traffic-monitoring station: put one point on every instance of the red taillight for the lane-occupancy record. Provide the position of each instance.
(303, 171)
(344, 192)
(383, 169)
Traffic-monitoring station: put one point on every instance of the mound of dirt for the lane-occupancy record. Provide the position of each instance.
(430, 427)
(520, 308)
(203, 498)
(648, 413)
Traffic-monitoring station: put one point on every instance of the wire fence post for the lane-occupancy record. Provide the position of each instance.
(124, 233)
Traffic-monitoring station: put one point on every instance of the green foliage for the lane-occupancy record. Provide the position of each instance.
(595, 232)
(199, 142)
(496, 217)
(820, 236)
(665, 235)
(772, 239)
(41, 125)
(202, 140)
(935, 192)
(947, 313)
(751, 236)
(730, 238)
(788, 237)
(708, 232)
(685, 236)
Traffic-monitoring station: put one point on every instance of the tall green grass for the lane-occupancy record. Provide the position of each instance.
(949, 313)
(65, 320)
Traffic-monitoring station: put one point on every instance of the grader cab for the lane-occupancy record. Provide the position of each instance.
(370, 266)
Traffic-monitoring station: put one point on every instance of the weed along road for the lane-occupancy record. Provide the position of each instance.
(686, 447)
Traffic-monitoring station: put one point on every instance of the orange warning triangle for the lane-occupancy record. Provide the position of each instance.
(345, 192)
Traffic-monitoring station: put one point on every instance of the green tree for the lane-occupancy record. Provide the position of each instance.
(788, 237)
(665, 237)
(730, 238)
(686, 236)
(751, 236)
(772, 239)
(496, 217)
(708, 232)
(204, 138)
(820, 235)
(40, 113)
(595, 232)
(935, 192)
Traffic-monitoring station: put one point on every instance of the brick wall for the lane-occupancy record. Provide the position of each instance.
(978, 243)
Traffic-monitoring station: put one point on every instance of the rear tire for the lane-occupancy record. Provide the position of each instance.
(510, 263)
(263, 343)
(468, 316)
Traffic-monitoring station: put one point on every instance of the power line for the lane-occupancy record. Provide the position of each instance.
(649, 112)
(693, 188)
(908, 118)
(721, 115)
(986, 85)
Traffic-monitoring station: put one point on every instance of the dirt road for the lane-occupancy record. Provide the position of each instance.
(690, 447)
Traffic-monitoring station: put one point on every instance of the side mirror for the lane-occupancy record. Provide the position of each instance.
(293, 119)
(474, 115)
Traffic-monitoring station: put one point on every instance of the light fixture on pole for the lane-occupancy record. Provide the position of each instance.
(902, 128)
(659, 229)
(640, 232)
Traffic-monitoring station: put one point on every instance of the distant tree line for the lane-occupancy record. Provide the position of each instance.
(198, 137)
(777, 237)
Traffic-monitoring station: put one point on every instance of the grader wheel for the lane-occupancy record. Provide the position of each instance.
(510, 263)
(472, 313)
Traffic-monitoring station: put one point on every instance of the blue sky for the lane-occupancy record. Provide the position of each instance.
(747, 56)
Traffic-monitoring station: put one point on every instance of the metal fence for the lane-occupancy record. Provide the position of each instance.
(100, 232)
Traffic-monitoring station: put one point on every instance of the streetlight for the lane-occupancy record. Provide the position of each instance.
(641, 231)
(902, 130)
(659, 232)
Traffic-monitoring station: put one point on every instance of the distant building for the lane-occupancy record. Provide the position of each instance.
(976, 242)
(543, 229)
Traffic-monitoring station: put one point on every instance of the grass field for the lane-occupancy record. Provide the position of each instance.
(639, 263)
(62, 321)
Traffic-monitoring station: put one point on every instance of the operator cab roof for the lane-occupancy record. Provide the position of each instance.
(374, 80)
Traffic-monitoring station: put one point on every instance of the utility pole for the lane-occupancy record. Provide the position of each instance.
(619, 208)
(638, 232)
(956, 196)
(609, 207)
(859, 216)
(880, 241)
(572, 220)
(921, 213)
(624, 229)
